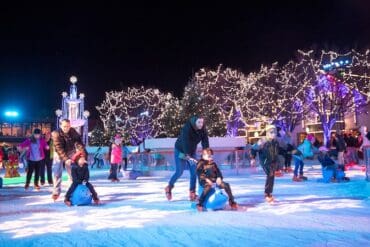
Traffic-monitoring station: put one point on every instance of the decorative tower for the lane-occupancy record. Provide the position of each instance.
(73, 109)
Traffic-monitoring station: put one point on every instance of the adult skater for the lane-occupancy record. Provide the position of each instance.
(192, 133)
(64, 140)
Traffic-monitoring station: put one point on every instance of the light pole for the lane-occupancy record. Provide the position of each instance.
(59, 113)
(85, 135)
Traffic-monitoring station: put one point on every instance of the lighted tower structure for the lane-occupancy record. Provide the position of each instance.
(73, 109)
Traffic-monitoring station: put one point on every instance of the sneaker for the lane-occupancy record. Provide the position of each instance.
(192, 196)
(67, 202)
(297, 179)
(199, 208)
(54, 197)
(233, 205)
(168, 192)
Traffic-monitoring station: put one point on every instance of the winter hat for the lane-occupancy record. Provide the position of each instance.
(117, 136)
(270, 126)
(310, 137)
(36, 131)
(323, 149)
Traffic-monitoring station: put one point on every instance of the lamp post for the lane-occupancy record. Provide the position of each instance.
(59, 113)
(85, 135)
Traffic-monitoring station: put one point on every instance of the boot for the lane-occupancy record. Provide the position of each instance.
(96, 201)
(67, 202)
(233, 205)
(54, 197)
(269, 198)
(168, 191)
(278, 173)
(192, 196)
(297, 179)
(199, 208)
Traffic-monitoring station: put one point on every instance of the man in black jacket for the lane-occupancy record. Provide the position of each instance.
(64, 140)
(192, 133)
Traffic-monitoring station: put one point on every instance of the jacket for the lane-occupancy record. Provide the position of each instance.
(80, 174)
(64, 143)
(190, 137)
(208, 169)
(42, 146)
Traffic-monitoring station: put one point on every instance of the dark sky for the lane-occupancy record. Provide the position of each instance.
(110, 47)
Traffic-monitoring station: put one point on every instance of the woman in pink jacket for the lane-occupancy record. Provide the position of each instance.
(115, 158)
(35, 146)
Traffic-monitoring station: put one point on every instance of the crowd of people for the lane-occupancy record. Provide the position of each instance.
(63, 149)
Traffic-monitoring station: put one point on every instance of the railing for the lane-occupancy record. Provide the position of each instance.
(164, 160)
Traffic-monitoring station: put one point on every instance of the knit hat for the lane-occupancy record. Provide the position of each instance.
(36, 131)
(270, 126)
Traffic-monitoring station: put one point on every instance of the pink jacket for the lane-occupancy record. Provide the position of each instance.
(116, 154)
(27, 143)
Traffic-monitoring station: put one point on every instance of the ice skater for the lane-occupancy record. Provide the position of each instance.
(208, 175)
(115, 158)
(268, 152)
(80, 175)
(192, 133)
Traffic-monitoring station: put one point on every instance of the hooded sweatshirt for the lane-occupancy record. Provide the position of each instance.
(190, 136)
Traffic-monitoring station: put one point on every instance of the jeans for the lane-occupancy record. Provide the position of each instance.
(180, 166)
(58, 171)
(298, 164)
(269, 170)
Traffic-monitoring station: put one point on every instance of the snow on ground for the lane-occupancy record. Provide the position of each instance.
(136, 213)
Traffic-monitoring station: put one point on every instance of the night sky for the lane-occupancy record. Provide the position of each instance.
(110, 47)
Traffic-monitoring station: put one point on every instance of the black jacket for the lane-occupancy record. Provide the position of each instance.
(190, 137)
(80, 174)
(206, 169)
(64, 143)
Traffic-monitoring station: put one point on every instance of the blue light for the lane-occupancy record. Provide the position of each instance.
(11, 114)
(346, 61)
(341, 62)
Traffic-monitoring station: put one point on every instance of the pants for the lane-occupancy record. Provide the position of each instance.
(33, 166)
(270, 177)
(74, 186)
(288, 160)
(58, 172)
(341, 158)
(113, 171)
(207, 189)
(46, 164)
(298, 164)
(180, 166)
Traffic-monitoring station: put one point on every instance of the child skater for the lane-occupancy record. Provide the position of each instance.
(208, 174)
(115, 158)
(268, 152)
(80, 174)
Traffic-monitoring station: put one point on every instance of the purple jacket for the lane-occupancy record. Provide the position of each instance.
(27, 143)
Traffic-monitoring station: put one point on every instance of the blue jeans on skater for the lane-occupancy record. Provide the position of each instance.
(180, 166)
(298, 164)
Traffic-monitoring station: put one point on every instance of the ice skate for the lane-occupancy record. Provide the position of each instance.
(168, 192)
